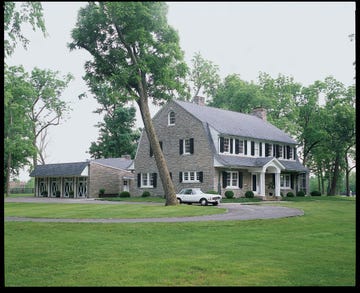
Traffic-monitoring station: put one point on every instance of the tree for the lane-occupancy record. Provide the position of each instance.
(46, 107)
(117, 135)
(18, 136)
(204, 76)
(238, 95)
(15, 14)
(137, 54)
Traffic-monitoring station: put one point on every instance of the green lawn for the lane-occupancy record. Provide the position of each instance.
(317, 249)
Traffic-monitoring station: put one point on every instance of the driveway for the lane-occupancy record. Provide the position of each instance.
(235, 211)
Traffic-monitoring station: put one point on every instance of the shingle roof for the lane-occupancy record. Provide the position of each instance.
(75, 169)
(61, 169)
(238, 161)
(118, 163)
(236, 123)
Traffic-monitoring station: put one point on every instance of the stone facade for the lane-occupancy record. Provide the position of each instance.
(186, 127)
(109, 178)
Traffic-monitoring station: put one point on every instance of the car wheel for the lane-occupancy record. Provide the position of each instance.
(179, 201)
(203, 202)
(215, 203)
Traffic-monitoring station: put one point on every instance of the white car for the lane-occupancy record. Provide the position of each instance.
(195, 195)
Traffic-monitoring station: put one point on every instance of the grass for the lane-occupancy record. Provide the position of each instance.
(317, 249)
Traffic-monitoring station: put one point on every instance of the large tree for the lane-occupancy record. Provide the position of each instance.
(204, 76)
(47, 108)
(18, 137)
(117, 135)
(137, 54)
(15, 15)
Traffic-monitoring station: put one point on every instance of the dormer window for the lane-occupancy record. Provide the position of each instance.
(171, 118)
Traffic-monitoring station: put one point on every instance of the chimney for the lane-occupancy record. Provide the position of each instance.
(260, 112)
(126, 157)
(199, 100)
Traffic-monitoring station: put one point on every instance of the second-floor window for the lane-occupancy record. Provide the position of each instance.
(191, 176)
(186, 146)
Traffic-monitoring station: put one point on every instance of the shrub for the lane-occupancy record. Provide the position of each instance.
(315, 193)
(124, 194)
(229, 194)
(57, 193)
(44, 193)
(145, 194)
(300, 193)
(249, 194)
(101, 191)
(290, 194)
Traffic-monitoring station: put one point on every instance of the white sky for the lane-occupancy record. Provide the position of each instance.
(306, 40)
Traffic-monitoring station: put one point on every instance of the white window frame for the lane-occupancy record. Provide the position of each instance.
(191, 177)
(186, 146)
(171, 118)
(231, 178)
(147, 180)
(285, 181)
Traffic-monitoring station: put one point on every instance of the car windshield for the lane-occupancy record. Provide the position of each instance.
(190, 191)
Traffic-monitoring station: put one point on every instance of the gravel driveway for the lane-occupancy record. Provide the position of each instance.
(235, 211)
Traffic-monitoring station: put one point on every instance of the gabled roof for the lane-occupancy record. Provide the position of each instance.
(236, 123)
(61, 169)
(118, 163)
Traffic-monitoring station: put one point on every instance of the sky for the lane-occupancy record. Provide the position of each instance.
(304, 40)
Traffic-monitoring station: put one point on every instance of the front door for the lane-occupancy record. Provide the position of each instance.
(126, 185)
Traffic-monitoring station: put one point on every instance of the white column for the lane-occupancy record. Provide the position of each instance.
(262, 183)
(277, 184)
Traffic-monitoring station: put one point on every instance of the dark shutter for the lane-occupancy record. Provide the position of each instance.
(151, 152)
(191, 145)
(160, 143)
(200, 176)
(138, 179)
(277, 147)
(181, 146)
(252, 148)
(231, 146)
(245, 147)
(154, 176)
(180, 177)
(288, 152)
(237, 146)
(294, 153)
(240, 180)
(170, 175)
(221, 144)
(292, 181)
(274, 150)
(224, 179)
(260, 149)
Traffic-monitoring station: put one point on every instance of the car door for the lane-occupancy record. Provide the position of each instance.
(187, 195)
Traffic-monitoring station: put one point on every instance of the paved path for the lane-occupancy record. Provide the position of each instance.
(235, 211)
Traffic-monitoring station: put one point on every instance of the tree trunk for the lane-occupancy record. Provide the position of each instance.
(335, 176)
(167, 183)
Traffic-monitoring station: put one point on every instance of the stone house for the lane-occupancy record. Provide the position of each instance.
(83, 179)
(219, 150)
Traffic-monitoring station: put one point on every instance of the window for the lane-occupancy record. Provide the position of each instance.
(171, 118)
(186, 146)
(285, 180)
(231, 145)
(147, 180)
(191, 176)
(232, 179)
(253, 148)
(268, 149)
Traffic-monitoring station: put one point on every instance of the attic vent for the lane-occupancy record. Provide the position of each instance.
(199, 100)
(260, 112)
